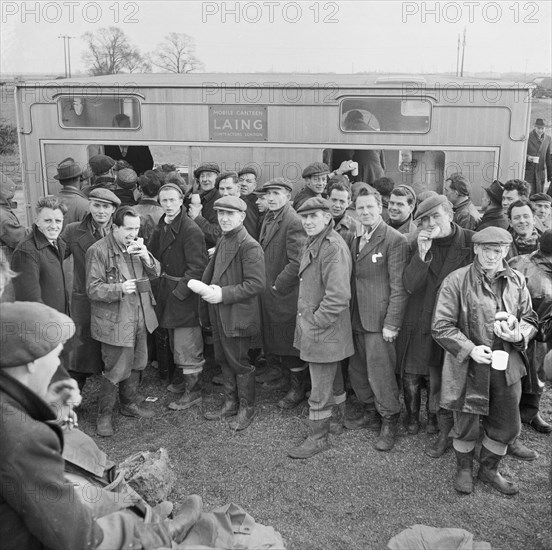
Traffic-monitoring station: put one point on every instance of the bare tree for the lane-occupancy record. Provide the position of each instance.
(176, 54)
(110, 52)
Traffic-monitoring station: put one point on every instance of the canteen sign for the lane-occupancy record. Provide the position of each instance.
(237, 123)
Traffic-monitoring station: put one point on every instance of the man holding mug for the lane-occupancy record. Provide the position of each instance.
(482, 311)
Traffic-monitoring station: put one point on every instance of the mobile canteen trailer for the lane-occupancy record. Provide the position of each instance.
(425, 127)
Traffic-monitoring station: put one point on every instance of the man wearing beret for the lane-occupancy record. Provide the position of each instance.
(378, 304)
(79, 237)
(236, 276)
(248, 183)
(282, 237)
(316, 179)
(178, 243)
(440, 247)
(493, 213)
(474, 387)
(121, 313)
(457, 189)
(69, 176)
(204, 214)
(31, 465)
(543, 208)
(538, 166)
(323, 333)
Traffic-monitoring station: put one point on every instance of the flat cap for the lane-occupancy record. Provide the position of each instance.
(429, 205)
(29, 331)
(247, 170)
(260, 191)
(126, 178)
(168, 186)
(492, 235)
(100, 164)
(495, 191)
(206, 167)
(315, 169)
(104, 195)
(280, 183)
(460, 184)
(68, 169)
(225, 175)
(315, 203)
(540, 197)
(230, 203)
(407, 188)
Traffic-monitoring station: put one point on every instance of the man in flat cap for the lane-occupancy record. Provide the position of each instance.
(79, 237)
(378, 304)
(178, 243)
(475, 387)
(282, 237)
(538, 165)
(440, 247)
(457, 189)
(69, 175)
(323, 333)
(204, 214)
(316, 179)
(118, 269)
(402, 201)
(248, 183)
(543, 208)
(125, 186)
(102, 168)
(236, 276)
(493, 213)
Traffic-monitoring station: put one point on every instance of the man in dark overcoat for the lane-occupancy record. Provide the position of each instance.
(282, 237)
(236, 276)
(538, 165)
(69, 176)
(178, 243)
(248, 183)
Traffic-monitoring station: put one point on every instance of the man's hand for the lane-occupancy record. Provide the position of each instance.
(482, 354)
(214, 297)
(389, 334)
(129, 287)
(509, 332)
(138, 248)
(424, 243)
(194, 210)
(62, 396)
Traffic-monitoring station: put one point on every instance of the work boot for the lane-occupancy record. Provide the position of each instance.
(488, 473)
(432, 426)
(316, 441)
(106, 402)
(188, 514)
(444, 441)
(337, 419)
(246, 395)
(538, 423)
(128, 394)
(296, 392)
(463, 482)
(230, 407)
(178, 385)
(192, 395)
(388, 433)
(520, 451)
(412, 394)
(369, 419)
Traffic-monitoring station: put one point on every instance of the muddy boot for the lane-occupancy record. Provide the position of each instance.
(128, 394)
(296, 392)
(316, 441)
(192, 395)
(412, 391)
(520, 451)
(444, 441)
(178, 384)
(338, 419)
(488, 473)
(230, 407)
(369, 419)
(388, 433)
(246, 395)
(106, 403)
(463, 482)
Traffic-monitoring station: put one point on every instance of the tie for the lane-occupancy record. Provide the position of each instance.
(364, 239)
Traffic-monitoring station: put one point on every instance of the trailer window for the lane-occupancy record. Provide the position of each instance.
(99, 112)
(385, 114)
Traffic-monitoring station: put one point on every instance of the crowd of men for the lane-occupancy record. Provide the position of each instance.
(364, 290)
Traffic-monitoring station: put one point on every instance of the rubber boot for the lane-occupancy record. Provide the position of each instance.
(106, 402)
(520, 451)
(338, 419)
(296, 393)
(369, 419)
(463, 482)
(230, 406)
(192, 395)
(316, 441)
(412, 393)
(488, 473)
(388, 433)
(128, 394)
(246, 395)
(444, 441)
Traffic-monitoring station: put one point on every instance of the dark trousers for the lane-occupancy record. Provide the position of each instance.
(232, 352)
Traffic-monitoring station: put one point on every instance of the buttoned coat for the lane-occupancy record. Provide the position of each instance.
(323, 333)
(180, 248)
(379, 296)
(115, 315)
(238, 267)
(282, 241)
(538, 173)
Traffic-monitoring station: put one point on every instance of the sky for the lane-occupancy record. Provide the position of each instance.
(305, 36)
